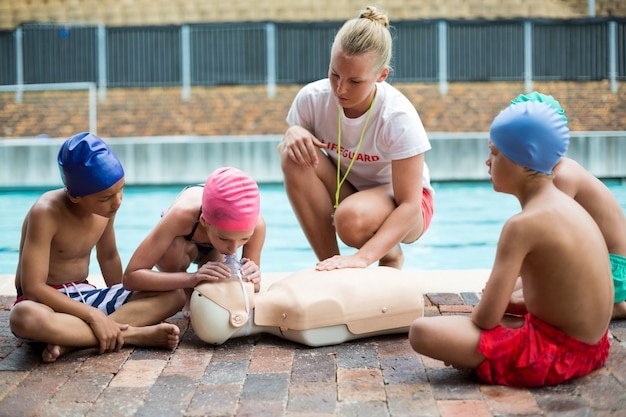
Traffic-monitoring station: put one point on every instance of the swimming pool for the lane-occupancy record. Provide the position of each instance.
(463, 234)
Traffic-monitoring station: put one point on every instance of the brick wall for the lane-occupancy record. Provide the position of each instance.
(245, 110)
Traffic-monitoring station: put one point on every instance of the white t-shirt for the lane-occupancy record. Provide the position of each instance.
(394, 131)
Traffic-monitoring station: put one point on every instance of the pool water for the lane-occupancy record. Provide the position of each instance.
(463, 233)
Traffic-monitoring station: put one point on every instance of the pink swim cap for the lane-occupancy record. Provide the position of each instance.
(231, 200)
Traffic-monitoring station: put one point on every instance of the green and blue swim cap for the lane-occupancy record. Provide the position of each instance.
(531, 133)
(542, 98)
(88, 165)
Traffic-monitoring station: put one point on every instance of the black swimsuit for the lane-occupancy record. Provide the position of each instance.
(203, 248)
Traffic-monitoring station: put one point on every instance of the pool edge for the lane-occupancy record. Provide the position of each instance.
(449, 281)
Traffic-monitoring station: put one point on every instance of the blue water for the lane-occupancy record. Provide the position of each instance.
(463, 233)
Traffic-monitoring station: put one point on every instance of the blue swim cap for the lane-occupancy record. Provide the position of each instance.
(531, 134)
(537, 96)
(88, 165)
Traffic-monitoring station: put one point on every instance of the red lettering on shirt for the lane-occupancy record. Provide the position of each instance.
(347, 153)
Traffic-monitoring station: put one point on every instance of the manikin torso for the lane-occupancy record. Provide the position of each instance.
(315, 308)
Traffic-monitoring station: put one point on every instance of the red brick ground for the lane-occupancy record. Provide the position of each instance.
(268, 376)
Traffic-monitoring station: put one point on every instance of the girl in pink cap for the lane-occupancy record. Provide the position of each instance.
(201, 226)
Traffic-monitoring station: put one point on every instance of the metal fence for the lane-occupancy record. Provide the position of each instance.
(256, 53)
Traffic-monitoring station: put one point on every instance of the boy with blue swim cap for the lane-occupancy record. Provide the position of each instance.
(556, 250)
(88, 165)
(591, 193)
(532, 135)
(55, 303)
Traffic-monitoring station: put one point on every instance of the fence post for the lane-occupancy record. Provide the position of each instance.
(613, 56)
(270, 36)
(442, 32)
(528, 56)
(185, 61)
(19, 64)
(93, 113)
(102, 62)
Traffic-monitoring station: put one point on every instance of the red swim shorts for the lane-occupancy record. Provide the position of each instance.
(536, 354)
(428, 207)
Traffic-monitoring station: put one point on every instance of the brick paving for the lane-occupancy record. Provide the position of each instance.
(264, 375)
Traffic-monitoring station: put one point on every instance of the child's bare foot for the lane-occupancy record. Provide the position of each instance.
(187, 310)
(619, 311)
(163, 335)
(394, 258)
(53, 352)
(186, 307)
(458, 367)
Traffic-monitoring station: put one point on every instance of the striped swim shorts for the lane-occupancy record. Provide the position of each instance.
(106, 299)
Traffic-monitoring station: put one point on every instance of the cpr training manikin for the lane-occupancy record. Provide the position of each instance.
(314, 308)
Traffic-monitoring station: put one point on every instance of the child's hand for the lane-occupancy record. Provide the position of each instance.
(210, 271)
(250, 271)
(108, 332)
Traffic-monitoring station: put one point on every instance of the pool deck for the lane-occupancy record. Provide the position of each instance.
(264, 375)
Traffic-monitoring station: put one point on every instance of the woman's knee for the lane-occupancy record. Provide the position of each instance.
(352, 230)
(354, 224)
(288, 165)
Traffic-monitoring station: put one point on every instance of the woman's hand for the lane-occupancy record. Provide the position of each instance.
(301, 146)
(341, 261)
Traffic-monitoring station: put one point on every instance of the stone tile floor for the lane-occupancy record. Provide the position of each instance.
(268, 376)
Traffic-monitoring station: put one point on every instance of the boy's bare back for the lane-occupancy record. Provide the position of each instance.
(597, 199)
(565, 273)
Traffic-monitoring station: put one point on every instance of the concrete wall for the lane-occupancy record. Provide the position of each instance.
(461, 156)
(31, 163)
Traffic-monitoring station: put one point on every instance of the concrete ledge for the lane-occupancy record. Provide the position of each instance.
(174, 160)
(447, 281)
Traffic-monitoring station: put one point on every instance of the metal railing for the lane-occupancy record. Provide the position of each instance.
(91, 101)
(271, 53)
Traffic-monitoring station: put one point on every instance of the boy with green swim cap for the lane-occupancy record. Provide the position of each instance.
(557, 250)
(575, 181)
(55, 303)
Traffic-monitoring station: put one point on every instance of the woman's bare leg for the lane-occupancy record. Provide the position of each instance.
(309, 191)
(361, 214)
